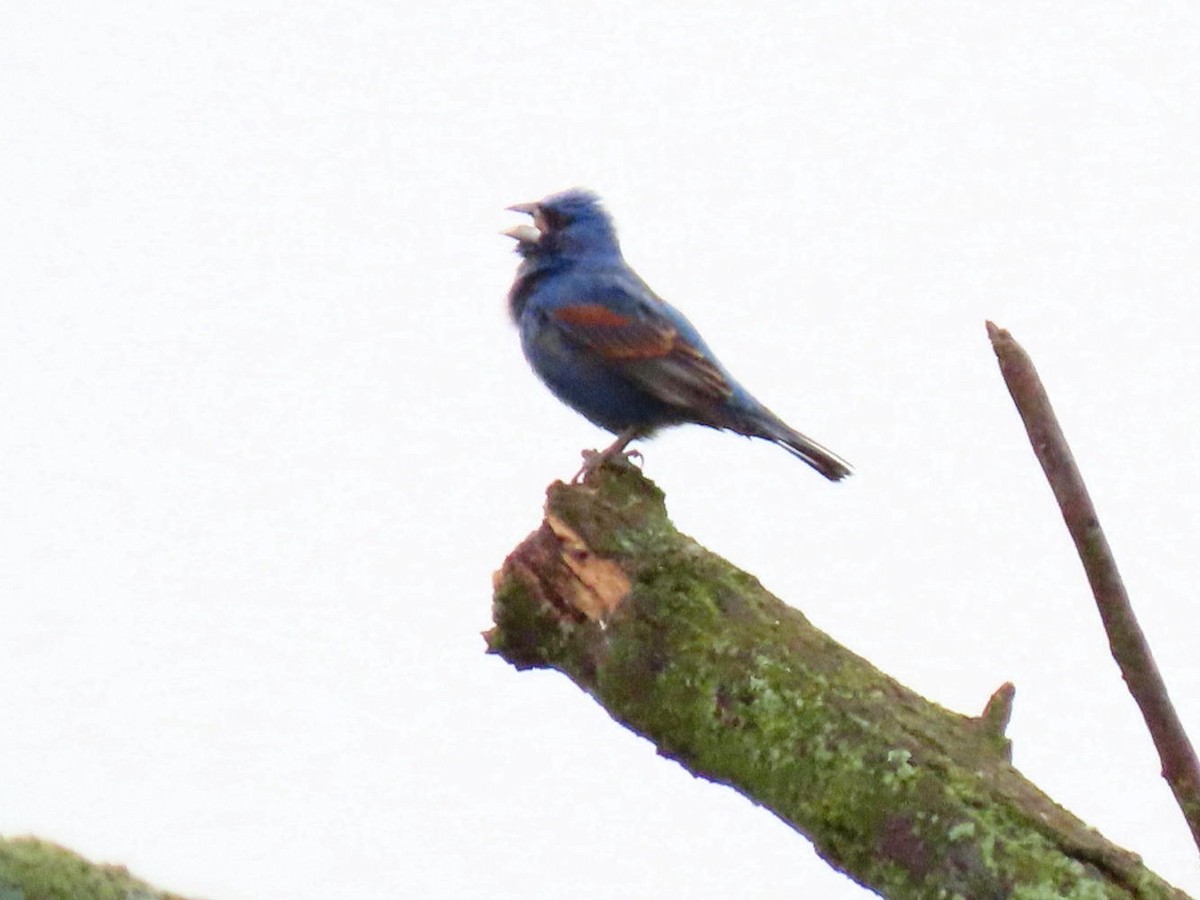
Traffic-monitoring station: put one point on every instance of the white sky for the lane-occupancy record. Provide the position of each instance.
(268, 432)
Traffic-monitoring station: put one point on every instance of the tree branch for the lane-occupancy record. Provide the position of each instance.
(676, 644)
(1129, 646)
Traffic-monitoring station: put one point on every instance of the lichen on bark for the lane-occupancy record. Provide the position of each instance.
(904, 796)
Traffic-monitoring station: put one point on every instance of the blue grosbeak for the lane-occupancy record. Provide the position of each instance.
(611, 349)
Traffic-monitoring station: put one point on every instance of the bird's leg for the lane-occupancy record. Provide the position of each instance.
(593, 459)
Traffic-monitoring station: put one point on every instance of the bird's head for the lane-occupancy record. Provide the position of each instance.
(568, 224)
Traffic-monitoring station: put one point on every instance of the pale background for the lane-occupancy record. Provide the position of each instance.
(267, 431)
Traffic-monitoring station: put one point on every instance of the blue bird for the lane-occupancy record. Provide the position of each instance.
(613, 350)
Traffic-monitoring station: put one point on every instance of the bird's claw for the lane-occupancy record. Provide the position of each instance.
(594, 460)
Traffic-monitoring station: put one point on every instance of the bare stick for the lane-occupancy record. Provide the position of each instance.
(1129, 648)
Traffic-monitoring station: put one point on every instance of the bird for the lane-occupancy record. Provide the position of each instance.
(614, 351)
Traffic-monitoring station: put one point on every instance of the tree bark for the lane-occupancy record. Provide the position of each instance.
(905, 797)
(1128, 643)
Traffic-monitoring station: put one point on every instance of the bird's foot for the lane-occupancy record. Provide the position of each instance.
(594, 460)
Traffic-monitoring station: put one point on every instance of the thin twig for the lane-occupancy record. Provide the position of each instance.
(1129, 647)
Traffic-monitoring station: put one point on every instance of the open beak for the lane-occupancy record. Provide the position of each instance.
(526, 233)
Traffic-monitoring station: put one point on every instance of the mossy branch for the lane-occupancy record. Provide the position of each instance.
(905, 797)
(33, 869)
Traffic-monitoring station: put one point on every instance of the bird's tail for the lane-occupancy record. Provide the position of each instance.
(769, 426)
(820, 458)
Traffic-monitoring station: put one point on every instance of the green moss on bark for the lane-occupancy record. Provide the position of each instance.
(32, 869)
(904, 796)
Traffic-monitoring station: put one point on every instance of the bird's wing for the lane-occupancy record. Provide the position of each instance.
(640, 338)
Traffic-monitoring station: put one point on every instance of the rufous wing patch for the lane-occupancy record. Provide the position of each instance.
(614, 335)
(591, 315)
